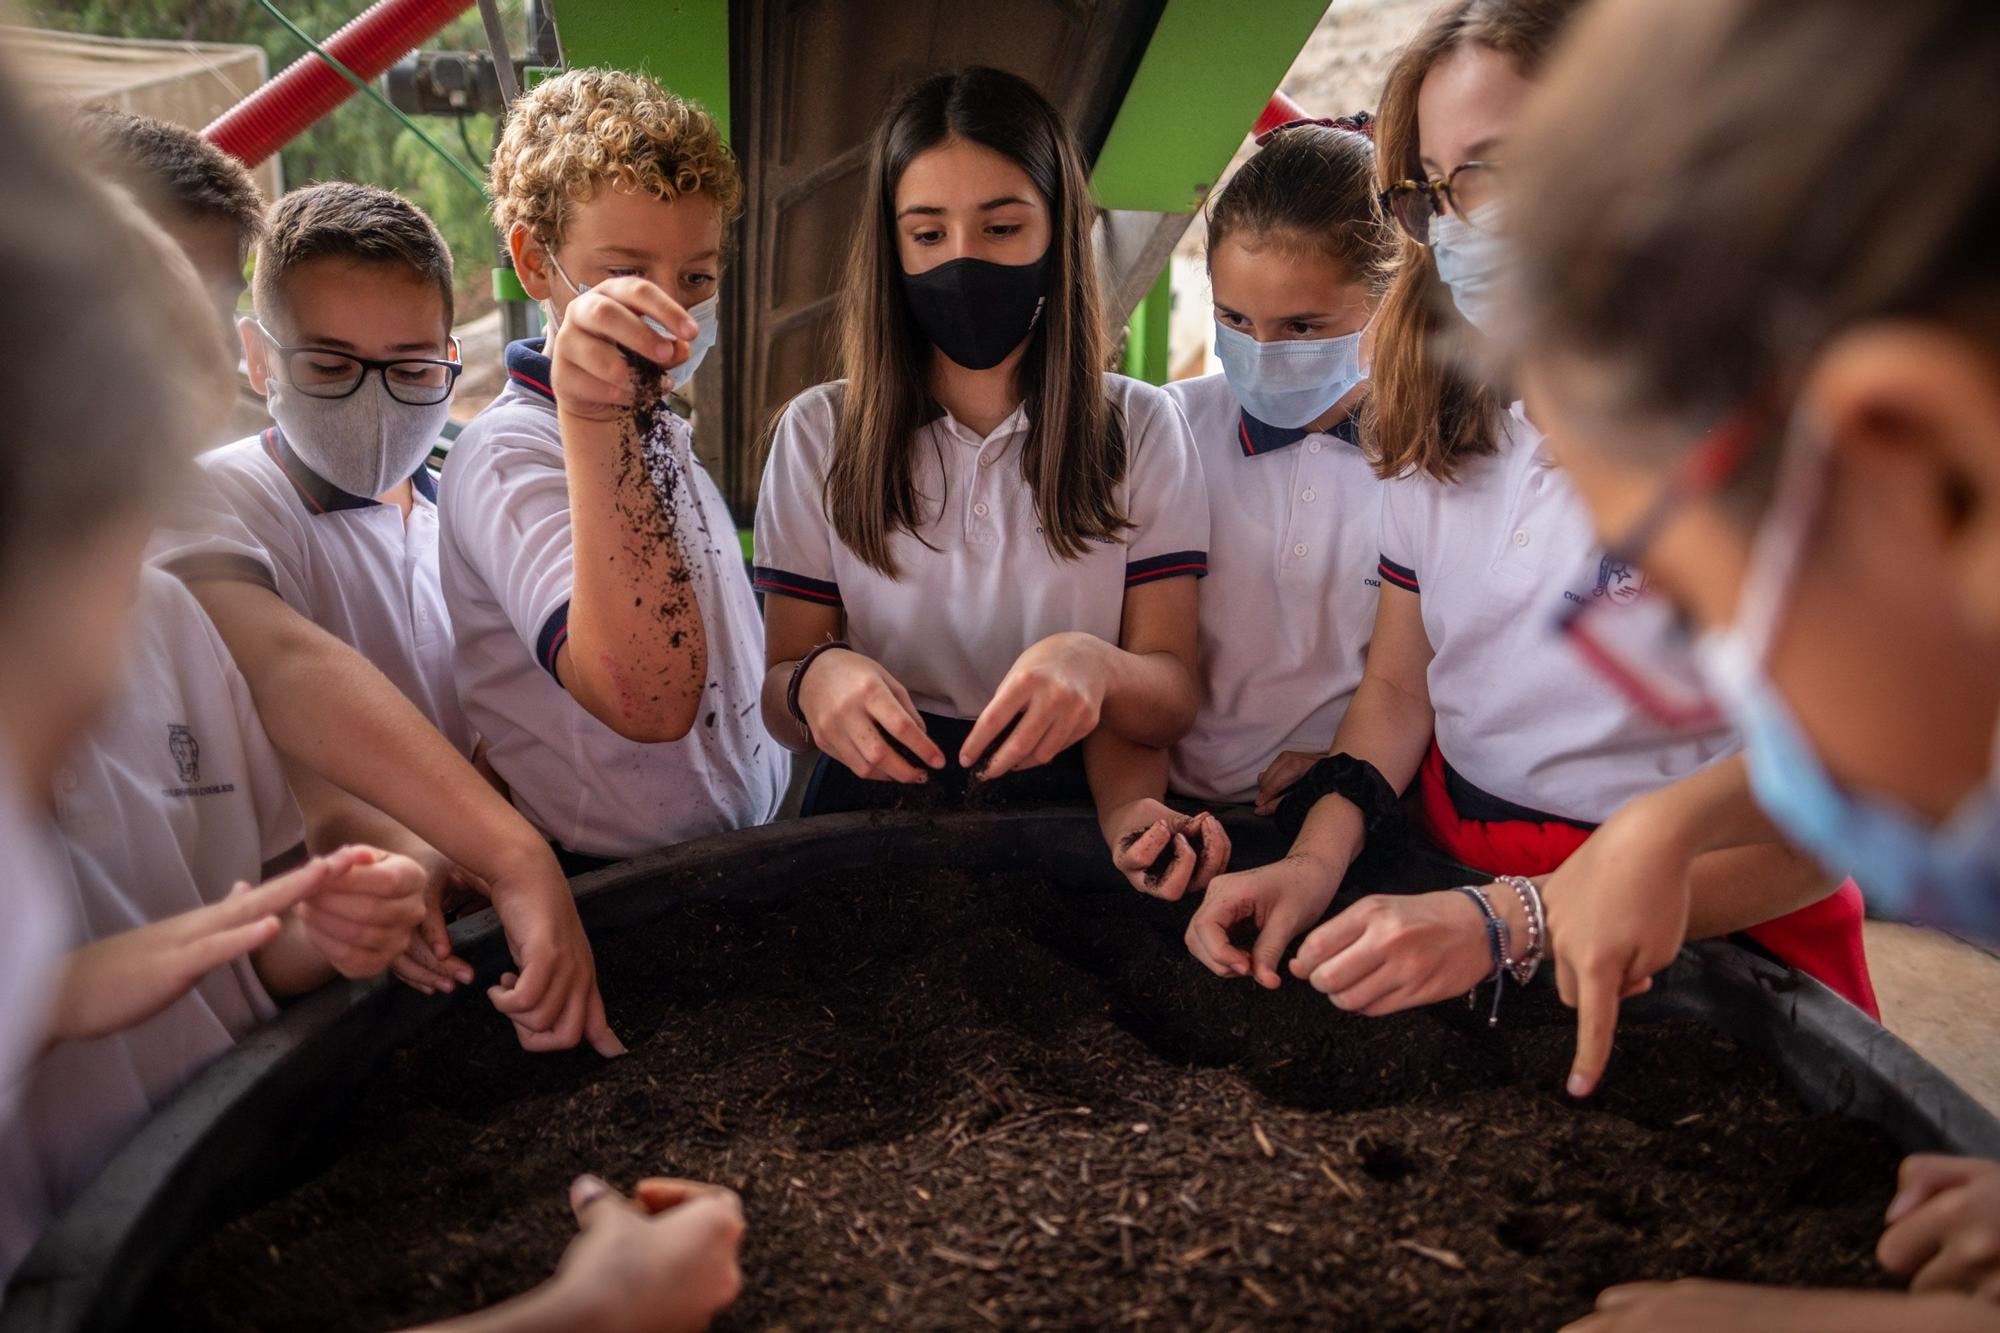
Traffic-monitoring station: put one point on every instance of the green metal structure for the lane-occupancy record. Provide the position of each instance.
(1207, 73)
(682, 43)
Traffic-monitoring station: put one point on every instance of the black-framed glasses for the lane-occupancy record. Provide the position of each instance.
(320, 373)
(1622, 632)
(1414, 204)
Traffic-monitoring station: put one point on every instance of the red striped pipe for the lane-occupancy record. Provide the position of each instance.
(308, 88)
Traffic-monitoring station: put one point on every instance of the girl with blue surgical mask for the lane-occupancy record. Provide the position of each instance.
(1513, 747)
(1767, 348)
(1296, 258)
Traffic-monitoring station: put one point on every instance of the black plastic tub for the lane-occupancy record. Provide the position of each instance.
(244, 1128)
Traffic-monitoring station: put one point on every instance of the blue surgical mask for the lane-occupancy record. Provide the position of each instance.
(1290, 383)
(1471, 260)
(1945, 875)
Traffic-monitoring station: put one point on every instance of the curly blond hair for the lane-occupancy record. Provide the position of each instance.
(568, 136)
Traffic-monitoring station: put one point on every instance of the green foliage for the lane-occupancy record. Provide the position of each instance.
(359, 141)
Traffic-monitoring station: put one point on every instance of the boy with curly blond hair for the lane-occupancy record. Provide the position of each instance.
(606, 641)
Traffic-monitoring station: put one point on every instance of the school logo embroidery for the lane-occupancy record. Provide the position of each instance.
(185, 751)
(1620, 581)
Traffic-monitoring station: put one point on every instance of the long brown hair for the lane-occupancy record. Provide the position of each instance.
(1311, 186)
(1690, 241)
(1074, 455)
(1428, 410)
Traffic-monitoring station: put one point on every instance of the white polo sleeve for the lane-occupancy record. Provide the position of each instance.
(1400, 533)
(510, 520)
(1166, 498)
(201, 537)
(794, 540)
(271, 515)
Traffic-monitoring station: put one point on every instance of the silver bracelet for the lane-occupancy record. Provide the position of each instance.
(1523, 969)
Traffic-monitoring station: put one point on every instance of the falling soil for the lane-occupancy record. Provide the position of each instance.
(953, 1101)
(650, 482)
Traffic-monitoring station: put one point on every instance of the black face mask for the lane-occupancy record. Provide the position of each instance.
(976, 311)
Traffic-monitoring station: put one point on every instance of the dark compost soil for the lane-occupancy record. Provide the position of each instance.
(955, 1101)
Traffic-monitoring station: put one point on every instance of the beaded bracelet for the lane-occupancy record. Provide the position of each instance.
(798, 676)
(1523, 969)
(1497, 940)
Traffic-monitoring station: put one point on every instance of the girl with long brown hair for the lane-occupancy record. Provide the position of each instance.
(978, 550)
(1517, 746)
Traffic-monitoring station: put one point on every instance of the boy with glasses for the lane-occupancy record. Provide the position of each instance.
(325, 706)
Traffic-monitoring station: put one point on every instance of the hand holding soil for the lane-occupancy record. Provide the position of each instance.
(862, 717)
(1389, 953)
(1052, 698)
(588, 351)
(1164, 853)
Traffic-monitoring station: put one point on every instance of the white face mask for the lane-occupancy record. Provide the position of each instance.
(364, 443)
(1471, 260)
(1289, 383)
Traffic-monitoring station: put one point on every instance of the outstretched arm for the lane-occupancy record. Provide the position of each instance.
(326, 708)
(637, 652)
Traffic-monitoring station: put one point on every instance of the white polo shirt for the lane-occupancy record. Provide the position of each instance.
(34, 902)
(351, 565)
(1290, 600)
(1493, 558)
(201, 537)
(176, 795)
(977, 584)
(505, 560)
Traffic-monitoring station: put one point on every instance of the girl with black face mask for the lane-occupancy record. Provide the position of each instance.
(979, 551)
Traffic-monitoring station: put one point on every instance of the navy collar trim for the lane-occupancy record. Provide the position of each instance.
(528, 366)
(1255, 437)
(321, 496)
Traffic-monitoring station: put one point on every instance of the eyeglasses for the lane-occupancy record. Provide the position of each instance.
(1638, 643)
(319, 373)
(1414, 203)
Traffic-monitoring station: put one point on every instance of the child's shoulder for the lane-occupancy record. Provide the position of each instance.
(1136, 398)
(234, 456)
(172, 628)
(512, 431)
(1205, 400)
(815, 411)
(245, 461)
(806, 425)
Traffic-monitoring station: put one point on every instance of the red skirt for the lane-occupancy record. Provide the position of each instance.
(1823, 940)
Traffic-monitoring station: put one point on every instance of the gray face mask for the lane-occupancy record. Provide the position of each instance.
(363, 443)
